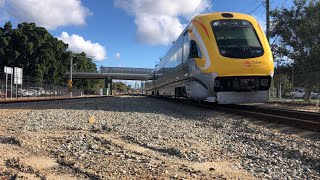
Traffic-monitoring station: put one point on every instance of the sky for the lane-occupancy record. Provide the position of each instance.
(122, 33)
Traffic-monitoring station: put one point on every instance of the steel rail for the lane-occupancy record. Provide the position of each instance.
(313, 116)
(301, 119)
(30, 100)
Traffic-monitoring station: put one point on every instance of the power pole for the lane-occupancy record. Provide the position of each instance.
(70, 81)
(268, 29)
(268, 19)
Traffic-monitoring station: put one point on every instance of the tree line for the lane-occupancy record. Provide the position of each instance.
(298, 33)
(43, 57)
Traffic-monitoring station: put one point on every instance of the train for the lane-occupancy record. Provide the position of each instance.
(221, 57)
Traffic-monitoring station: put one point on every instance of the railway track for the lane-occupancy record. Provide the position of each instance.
(301, 119)
(35, 99)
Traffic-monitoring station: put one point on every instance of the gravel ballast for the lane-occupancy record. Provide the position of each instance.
(141, 137)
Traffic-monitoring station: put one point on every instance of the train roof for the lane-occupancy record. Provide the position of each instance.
(218, 15)
(211, 16)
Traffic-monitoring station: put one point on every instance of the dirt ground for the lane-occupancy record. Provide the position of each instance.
(29, 155)
(57, 153)
(294, 105)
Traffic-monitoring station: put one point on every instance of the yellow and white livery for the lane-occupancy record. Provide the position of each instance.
(221, 57)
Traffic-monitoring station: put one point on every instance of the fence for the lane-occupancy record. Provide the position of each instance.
(32, 90)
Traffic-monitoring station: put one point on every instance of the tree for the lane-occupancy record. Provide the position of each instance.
(282, 84)
(83, 64)
(39, 74)
(119, 87)
(42, 56)
(298, 29)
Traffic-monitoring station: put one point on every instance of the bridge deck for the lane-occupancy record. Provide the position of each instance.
(121, 73)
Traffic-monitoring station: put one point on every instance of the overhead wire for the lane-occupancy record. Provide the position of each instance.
(32, 18)
(278, 34)
(17, 17)
(284, 3)
(208, 6)
(256, 8)
(11, 14)
(195, 10)
(274, 40)
(253, 2)
(25, 13)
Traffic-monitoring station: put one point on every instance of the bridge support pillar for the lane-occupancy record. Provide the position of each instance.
(108, 85)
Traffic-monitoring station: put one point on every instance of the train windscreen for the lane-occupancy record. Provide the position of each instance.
(237, 39)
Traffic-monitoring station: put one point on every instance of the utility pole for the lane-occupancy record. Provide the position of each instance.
(268, 19)
(70, 81)
(268, 29)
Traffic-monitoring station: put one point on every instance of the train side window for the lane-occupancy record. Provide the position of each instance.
(195, 51)
(186, 50)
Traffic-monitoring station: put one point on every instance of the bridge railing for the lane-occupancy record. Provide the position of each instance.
(127, 70)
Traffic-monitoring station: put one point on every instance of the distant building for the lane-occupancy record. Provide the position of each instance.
(142, 85)
(136, 85)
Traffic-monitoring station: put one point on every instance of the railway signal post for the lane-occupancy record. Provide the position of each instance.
(70, 86)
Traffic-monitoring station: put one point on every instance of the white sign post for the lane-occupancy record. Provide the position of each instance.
(5, 71)
(18, 79)
(11, 82)
(8, 70)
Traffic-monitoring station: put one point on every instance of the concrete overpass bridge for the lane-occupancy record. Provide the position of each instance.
(111, 73)
(119, 73)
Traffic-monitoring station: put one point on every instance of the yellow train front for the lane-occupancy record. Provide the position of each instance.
(225, 57)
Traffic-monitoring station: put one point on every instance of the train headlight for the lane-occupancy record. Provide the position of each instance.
(264, 82)
(214, 75)
(271, 73)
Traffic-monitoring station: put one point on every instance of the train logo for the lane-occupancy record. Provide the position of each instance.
(247, 64)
